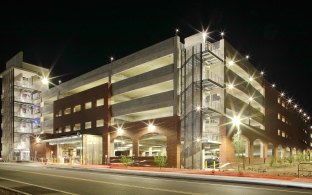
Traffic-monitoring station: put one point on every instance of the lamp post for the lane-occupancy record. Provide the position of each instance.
(250, 99)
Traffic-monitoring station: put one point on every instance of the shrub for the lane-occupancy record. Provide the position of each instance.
(160, 161)
(125, 160)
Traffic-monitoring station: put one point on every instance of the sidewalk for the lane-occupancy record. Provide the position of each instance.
(202, 175)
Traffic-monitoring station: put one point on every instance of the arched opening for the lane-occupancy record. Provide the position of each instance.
(270, 150)
(294, 152)
(279, 151)
(121, 146)
(258, 148)
(287, 154)
(241, 145)
(153, 144)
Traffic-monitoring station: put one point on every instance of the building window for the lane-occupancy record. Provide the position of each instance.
(67, 111)
(67, 128)
(88, 105)
(279, 116)
(283, 134)
(100, 123)
(58, 130)
(100, 102)
(283, 104)
(283, 119)
(279, 100)
(88, 125)
(278, 132)
(77, 127)
(77, 108)
(60, 113)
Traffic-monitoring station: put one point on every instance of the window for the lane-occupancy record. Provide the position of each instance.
(60, 113)
(283, 119)
(67, 111)
(88, 125)
(100, 123)
(58, 130)
(279, 100)
(77, 108)
(88, 105)
(67, 128)
(77, 127)
(283, 104)
(100, 102)
(278, 132)
(279, 116)
(283, 134)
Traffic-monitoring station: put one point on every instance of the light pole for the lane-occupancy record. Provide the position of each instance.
(250, 99)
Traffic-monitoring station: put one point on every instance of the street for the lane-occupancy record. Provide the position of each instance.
(47, 180)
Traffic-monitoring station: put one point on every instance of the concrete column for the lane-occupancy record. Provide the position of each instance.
(226, 150)
(150, 151)
(265, 152)
(135, 147)
(106, 148)
(250, 153)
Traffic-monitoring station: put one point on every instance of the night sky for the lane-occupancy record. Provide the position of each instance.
(78, 37)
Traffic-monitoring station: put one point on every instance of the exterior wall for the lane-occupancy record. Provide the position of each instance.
(295, 125)
(84, 115)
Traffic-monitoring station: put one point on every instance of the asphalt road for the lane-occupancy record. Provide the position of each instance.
(43, 180)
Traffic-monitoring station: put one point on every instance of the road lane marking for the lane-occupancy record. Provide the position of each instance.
(104, 182)
(205, 183)
(200, 182)
(13, 190)
(16, 181)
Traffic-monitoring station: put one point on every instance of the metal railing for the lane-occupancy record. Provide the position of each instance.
(214, 48)
(24, 84)
(19, 99)
(212, 76)
(215, 105)
(305, 167)
(210, 137)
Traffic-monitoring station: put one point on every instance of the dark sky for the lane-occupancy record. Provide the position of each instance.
(79, 37)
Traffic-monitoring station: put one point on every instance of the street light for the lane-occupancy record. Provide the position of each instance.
(45, 80)
(250, 99)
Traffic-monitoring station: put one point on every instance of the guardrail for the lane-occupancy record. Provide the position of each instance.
(305, 167)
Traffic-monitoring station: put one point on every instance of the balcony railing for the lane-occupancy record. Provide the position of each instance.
(18, 114)
(215, 105)
(19, 99)
(214, 48)
(23, 130)
(23, 84)
(210, 137)
(212, 76)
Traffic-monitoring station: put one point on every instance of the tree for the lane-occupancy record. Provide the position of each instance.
(239, 146)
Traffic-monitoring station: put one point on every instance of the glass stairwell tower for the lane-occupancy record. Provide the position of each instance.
(21, 107)
(201, 101)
